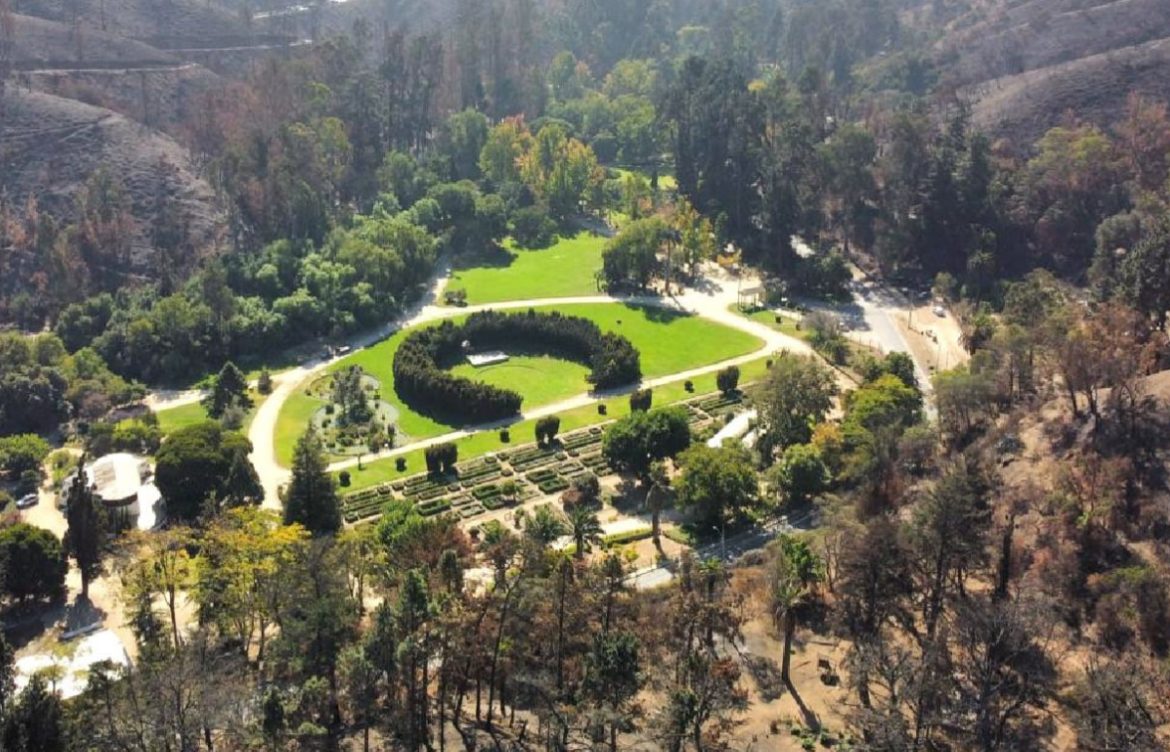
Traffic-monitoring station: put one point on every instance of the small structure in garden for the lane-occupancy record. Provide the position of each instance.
(479, 360)
(752, 297)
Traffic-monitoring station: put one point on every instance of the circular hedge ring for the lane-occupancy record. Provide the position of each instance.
(422, 382)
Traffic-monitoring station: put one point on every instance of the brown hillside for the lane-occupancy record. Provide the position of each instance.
(39, 43)
(1025, 64)
(160, 97)
(1024, 106)
(50, 146)
(138, 19)
(1042, 33)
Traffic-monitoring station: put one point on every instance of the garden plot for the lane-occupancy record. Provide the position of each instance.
(494, 482)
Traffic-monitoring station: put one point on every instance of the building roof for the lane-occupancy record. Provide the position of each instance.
(116, 477)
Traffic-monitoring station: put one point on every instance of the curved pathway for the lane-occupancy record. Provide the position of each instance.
(711, 301)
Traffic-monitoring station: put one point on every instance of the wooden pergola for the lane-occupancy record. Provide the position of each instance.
(751, 297)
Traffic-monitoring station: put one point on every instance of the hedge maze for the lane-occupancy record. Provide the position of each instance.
(516, 475)
(419, 365)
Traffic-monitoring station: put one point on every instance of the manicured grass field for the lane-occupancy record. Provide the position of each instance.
(482, 442)
(565, 269)
(181, 417)
(539, 379)
(668, 342)
(187, 415)
(770, 319)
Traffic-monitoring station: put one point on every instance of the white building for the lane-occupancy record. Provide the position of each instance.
(124, 483)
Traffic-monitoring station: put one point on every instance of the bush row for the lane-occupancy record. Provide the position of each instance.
(420, 379)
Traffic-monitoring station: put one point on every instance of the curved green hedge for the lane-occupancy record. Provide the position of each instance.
(421, 381)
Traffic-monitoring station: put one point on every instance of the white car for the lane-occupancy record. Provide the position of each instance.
(939, 311)
(28, 501)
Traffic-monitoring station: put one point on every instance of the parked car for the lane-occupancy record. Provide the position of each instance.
(27, 501)
(940, 311)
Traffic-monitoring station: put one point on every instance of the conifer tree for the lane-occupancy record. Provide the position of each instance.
(311, 499)
(230, 390)
(85, 536)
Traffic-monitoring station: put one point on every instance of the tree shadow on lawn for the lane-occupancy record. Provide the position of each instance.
(658, 314)
(496, 257)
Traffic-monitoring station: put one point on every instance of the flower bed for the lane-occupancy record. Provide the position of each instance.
(554, 485)
(580, 440)
(433, 507)
(485, 492)
(535, 462)
(539, 476)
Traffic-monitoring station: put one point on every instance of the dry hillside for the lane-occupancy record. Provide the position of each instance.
(50, 147)
(39, 44)
(137, 19)
(1026, 64)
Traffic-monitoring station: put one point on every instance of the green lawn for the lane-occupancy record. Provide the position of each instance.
(666, 179)
(668, 343)
(785, 324)
(539, 379)
(186, 415)
(522, 432)
(565, 269)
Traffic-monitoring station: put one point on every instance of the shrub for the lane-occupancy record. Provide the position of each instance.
(505, 435)
(343, 478)
(22, 452)
(585, 490)
(601, 408)
(689, 385)
(547, 429)
(400, 464)
(641, 400)
(728, 379)
(35, 563)
(457, 297)
(264, 383)
(441, 458)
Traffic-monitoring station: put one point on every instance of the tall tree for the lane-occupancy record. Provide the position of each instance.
(230, 390)
(796, 395)
(717, 483)
(612, 679)
(585, 529)
(311, 498)
(85, 536)
(795, 570)
(34, 722)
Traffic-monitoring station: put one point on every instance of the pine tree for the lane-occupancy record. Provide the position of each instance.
(242, 484)
(230, 390)
(86, 532)
(311, 499)
(34, 723)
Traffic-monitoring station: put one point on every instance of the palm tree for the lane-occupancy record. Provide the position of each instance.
(585, 529)
(657, 499)
(545, 526)
(795, 569)
(499, 545)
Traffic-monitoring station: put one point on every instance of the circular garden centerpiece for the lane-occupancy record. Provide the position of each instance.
(422, 380)
(355, 419)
